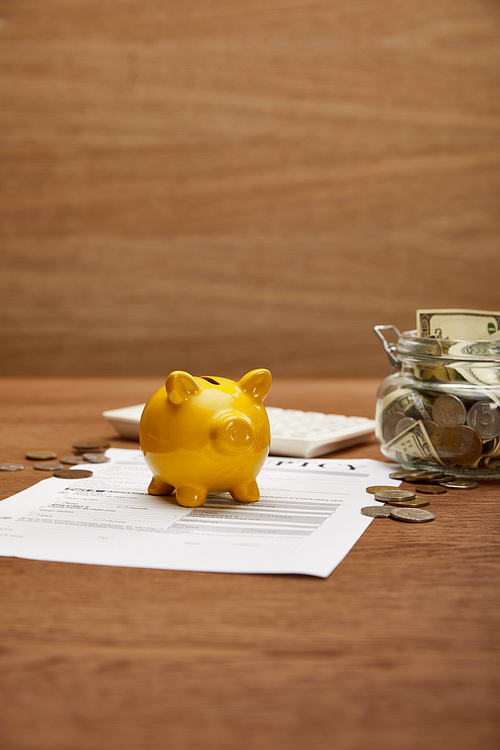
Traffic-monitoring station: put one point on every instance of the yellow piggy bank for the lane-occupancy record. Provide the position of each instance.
(206, 434)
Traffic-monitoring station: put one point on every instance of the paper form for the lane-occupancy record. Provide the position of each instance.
(306, 521)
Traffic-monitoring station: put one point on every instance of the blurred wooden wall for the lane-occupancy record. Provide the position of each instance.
(215, 185)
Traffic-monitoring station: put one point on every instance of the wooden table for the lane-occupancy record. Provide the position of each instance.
(398, 648)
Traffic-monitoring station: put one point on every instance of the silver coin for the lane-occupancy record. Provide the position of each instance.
(95, 458)
(376, 511)
(389, 424)
(412, 515)
(72, 460)
(11, 467)
(484, 418)
(404, 423)
(384, 495)
(460, 484)
(448, 411)
(48, 466)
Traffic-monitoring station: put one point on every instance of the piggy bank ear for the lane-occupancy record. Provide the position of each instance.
(181, 386)
(256, 383)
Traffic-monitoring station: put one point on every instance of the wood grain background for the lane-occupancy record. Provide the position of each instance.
(216, 186)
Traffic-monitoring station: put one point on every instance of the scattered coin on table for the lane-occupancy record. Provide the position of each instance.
(48, 466)
(384, 495)
(41, 455)
(412, 515)
(404, 474)
(427, 478)
(430, 489)
(72, 460)
(416, 502)
(460, 484)
(379, 487)
(376, 511)
(95, 458)
(72, 474)
(405, 505)
(11, 467)
(96, 446)
(445, 478)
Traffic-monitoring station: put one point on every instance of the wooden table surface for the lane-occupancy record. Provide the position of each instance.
(398, 648)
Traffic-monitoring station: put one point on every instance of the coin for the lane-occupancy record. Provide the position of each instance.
(41, 455)
(385, 495)
(96, 458)
(49, 466)
(379, 487)
(412, 515)
(389, 425)
(448, 411)
(416, 502)
(376, 511)
(490, 446)
(406, 474)
(437, 441)
(460, 484)
(403, 424)
(484, 418)
(430, 426)
(11, 467)
(72, 474)
(427, 477)
(90, 446)
(89, 450)
(73, 460)
(430, 489)
(462, 445)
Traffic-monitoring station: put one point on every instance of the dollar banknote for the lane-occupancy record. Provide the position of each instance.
(458, 324)
(412, 445)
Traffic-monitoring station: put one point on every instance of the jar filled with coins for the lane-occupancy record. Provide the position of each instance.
(440, 405)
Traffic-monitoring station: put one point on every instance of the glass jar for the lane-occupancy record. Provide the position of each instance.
(440, 406)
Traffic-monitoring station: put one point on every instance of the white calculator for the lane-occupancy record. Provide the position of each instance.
(306, 434)
(303, 434)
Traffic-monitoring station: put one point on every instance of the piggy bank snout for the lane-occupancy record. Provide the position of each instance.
(233, 433)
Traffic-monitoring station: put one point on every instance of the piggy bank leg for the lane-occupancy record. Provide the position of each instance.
(246, 492)
(191, 497)
(158, 487)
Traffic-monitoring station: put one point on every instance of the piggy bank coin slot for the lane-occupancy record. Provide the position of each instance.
(210, 380)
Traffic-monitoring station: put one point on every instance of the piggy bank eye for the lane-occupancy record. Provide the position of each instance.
(233, 434)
